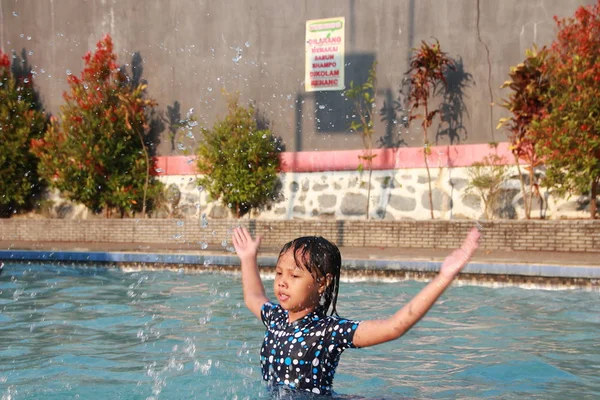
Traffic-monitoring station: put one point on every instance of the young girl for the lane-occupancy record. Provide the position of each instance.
(302, 344)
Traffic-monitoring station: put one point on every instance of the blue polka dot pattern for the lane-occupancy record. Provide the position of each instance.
(304, 354)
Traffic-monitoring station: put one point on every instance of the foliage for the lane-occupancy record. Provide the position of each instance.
(239, 162)
(363, 97)
(568, 133)
(486, 181)
(364, 103)
(529, 86)
(20, 122)
(97, 154)
(428, 65)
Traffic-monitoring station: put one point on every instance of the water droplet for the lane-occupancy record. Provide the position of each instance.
(237, 58)
(180, 223)
(25, 80)
(210, 89)
(28, 37)
(159, 170)
(15, 14)
(224, 243)
(68, 72)
(22, 35)
(30, 52)
(321, 107)
(180, 146)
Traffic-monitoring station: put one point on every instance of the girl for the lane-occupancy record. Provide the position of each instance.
(302, 344)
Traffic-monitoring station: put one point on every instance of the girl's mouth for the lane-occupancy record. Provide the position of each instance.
(282, 297)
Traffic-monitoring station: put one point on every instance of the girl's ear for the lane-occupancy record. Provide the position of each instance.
(324, 283)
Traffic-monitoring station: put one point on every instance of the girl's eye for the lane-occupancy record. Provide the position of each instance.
(277, 273)
(296, 276)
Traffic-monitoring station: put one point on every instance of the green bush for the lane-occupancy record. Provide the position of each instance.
(20, 122)
(486, 179)
(98, 153)
(239, 162)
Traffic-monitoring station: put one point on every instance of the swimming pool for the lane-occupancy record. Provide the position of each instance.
(86, 333)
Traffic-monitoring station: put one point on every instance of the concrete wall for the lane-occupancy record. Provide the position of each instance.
(185, 49)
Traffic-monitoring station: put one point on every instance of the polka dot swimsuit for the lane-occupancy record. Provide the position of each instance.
(304, 354)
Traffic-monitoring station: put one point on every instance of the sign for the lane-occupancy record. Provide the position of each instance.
(324, 54)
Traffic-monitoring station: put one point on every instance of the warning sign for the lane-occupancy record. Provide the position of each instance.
(324, 54)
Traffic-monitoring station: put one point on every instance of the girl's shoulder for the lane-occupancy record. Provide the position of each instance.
(270, 310)
(335, 322)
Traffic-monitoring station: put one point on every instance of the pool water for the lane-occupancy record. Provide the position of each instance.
(92, 332)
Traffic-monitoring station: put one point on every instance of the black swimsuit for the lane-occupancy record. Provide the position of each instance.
(303, 354)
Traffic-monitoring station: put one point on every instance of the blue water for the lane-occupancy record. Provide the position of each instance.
(89, 333)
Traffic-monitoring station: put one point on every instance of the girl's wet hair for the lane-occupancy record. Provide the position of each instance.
(319, 257)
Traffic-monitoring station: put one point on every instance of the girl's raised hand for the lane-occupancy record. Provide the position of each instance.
(245, 246)
(457, 260)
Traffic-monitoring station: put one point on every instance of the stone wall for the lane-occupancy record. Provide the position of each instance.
(564, 236)
(395, 195)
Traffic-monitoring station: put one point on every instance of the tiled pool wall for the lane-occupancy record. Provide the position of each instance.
(537, 276)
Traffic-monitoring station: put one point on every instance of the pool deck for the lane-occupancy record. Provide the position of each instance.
(539, 264)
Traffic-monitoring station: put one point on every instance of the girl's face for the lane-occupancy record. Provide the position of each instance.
(295, 288)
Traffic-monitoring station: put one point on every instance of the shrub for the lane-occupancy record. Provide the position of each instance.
(20, 122)
(486, 182)
(363, 97)
(568, 132)
(240, 163)
(428, 65)
(97, 154)
(529, 86)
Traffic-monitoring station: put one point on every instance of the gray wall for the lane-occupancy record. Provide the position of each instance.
(187, 48)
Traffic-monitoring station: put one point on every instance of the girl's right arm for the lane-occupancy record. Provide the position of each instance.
(247, 249)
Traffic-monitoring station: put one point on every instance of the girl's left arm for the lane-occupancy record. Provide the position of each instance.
(372, 332)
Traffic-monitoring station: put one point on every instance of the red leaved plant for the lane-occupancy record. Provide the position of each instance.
(97, 153)
(567, 134)
(427, 68)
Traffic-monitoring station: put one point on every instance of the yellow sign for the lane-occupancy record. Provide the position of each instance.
(324, 54)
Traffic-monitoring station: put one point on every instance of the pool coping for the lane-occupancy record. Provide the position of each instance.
(476, 267)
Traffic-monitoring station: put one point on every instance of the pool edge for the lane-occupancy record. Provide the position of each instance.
(490, 268)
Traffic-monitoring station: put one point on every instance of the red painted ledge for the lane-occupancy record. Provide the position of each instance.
(348, 160)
